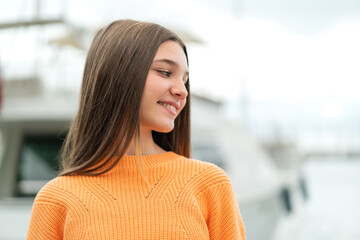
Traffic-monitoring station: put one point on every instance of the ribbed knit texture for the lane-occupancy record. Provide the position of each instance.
(186, 199)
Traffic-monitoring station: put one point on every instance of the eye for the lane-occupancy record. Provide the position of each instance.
(165, 73)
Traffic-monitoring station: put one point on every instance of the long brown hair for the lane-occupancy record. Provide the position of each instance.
(108, 118)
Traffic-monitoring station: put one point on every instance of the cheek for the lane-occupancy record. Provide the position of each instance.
(182, 105)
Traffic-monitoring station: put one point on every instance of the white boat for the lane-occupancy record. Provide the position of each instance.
(33, 127)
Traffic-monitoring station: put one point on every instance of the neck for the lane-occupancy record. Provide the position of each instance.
(147, 145)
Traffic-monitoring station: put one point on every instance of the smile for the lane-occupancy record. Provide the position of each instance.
(169, 107)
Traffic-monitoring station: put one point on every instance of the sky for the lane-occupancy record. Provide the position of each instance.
(290, 63)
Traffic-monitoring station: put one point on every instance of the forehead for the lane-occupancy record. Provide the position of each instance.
(173, 51)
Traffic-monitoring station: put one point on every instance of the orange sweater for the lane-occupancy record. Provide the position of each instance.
(187, 199)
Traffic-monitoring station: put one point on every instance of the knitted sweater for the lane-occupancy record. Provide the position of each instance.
(187, 199)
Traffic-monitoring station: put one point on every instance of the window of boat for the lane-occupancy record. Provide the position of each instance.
(210, 153)
(38, 163)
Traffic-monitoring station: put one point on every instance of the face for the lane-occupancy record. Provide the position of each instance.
(164, 94)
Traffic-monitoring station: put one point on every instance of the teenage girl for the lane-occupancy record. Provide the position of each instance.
(126, 166)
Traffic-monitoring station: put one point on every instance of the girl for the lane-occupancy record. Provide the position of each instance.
(126, 167)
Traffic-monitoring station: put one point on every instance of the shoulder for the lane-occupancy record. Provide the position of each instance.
(209, 168)
(57, 190)
(203, 174)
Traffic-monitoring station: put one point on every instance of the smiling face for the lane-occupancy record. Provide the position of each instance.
(164, 94)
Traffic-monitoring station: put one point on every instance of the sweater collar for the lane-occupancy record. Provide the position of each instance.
(130, 162)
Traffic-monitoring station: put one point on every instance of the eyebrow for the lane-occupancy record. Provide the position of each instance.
(170, 62)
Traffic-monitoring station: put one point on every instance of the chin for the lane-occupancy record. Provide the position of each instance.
(164, 129)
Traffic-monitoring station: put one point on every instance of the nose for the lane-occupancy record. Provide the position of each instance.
(179, 90)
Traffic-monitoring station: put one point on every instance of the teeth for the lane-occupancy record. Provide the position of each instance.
(169, 106)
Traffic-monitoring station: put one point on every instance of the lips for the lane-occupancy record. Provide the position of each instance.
(171, 106)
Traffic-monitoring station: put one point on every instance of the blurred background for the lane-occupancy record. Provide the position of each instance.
(275, 102)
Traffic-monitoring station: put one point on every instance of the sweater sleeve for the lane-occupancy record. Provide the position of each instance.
(221, 211)
(48, 216)
(47, 221)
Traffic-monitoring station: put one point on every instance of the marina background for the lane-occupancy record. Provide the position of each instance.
(286, 72)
